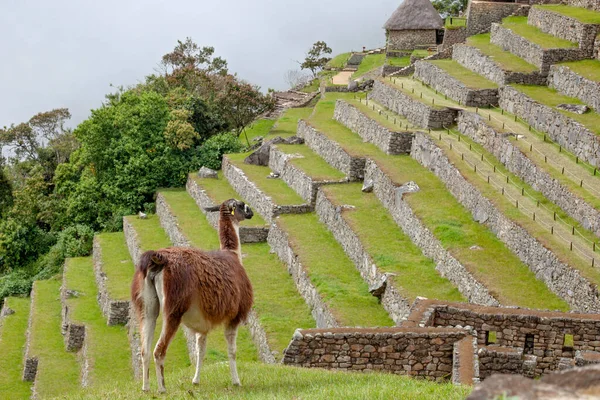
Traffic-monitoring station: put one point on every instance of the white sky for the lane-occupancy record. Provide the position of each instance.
(60, 53)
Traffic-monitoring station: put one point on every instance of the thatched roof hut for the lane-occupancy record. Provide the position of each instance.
(413, 24)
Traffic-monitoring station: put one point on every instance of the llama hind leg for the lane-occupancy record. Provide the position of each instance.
(230, 336)
(170, 325)
(200, 352)
(147, 326)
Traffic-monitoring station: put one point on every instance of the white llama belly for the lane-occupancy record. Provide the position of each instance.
(195, 320)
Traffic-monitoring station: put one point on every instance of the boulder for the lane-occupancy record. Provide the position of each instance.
(261, 155)
(207, 173)
(352, 85)
(574, 108)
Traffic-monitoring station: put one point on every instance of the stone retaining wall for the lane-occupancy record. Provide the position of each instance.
(454, 36)
(261, 203)
(422, 352)
(448, 266)
(568, 82)
(473, 59)
(566, 282)
(565, 27)
(531, 52)
(474, 126)
(410, 39)
(416, 112)
(499, 360)
(481, 14)
(390, 142)
(330, 151)
(115, 311)
(280, 244)
(561, 129)
(593, 5)
(442, 81)
(304, 185)
(331, 215)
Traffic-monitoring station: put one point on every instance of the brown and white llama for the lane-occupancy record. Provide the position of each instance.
(200, 289)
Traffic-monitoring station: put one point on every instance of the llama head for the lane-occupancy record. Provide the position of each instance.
(235, 209)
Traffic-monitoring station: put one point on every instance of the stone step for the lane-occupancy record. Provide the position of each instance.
(208, 192)
(271, 323)
(13, 330)
(576, 79)
(457, 82)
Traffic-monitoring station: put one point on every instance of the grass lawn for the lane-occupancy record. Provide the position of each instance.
(589, 69)
(288, 123)
(389, 247)
(398, 61)
(12, 344)
(455, 22)
(552, 98)
(505, 59)
(280, 308)
(219, 190)
(58, 370)
(331, 271)
(107, 346)
(339, 61)
(261, 381)
(387, 119)
(313, 87)
(469, 78)
(261, 127)
(421, 53)
(280, 192)
(583, 15)
(311, 163)
(116, 264)
(369, 63)
(519, 26)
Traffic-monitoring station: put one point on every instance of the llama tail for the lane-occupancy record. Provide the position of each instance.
(143, 289)
(151, 263)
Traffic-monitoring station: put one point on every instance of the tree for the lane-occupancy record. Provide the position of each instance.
(294, 78)
(450, 7)
(315, 58)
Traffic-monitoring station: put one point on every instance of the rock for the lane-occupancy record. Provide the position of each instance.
(366, 85)
(261, 155)
(142, 215)
(574, 108)
(71, 293)
(475, 247)
(7, 311)
(409, 187)
(367, 186)
(353, 85)
(273, 175)
(207, 173)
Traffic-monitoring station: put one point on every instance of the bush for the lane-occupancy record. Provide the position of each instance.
(210, 154)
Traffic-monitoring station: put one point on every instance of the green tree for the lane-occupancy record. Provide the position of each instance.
(315, 58)
(449, 8)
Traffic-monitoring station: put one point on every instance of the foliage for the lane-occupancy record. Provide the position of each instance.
(211, 152)
(450, 7)
(315, 58)
(6, 197)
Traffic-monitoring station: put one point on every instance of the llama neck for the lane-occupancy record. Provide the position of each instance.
(229, 236)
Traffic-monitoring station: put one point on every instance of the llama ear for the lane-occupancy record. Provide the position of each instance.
(212, 209)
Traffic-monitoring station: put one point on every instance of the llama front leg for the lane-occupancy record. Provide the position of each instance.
(230, 336)
(170, 325)
(200, 352)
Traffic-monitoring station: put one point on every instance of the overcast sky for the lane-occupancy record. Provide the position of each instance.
(63, 53)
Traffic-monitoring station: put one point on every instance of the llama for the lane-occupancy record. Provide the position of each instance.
(200, 289)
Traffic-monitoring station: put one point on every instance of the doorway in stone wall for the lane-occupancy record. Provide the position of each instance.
(529, 340)
(439, 36)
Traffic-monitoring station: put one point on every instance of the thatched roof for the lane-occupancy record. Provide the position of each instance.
(414, 14)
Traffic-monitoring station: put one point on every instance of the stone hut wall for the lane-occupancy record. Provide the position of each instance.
(563, 79)
(499, 360)
(454, 36)
(410, 39)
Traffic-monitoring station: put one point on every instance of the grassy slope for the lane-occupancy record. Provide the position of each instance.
(454, 22)
(280, 308)
(339, 61)
(332, 272)
(311, 163)
(519, 26)
(287, 123)
(262, 381)
(262, 127)
(389, 247)
(503, 58)
(107, 346)
(398, 61)
(12, 343)
(589, 69)
(369, 63)
(583, 15)
(116, 264)
(58, 370)
(552, 98)
(466, 76)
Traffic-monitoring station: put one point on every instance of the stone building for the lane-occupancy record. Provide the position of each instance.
(414, 24)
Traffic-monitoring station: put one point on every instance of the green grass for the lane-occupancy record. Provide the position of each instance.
(332, 272)
(398, 61)
(339, 61)
(281, 193)
(116, 264)
(261, 381)
(469, 78)
(583, 15)
(107, 346)
(310, 163)
(12, 344)
(369, 63)
(552, 98)
(312, 87)
(261, 127)
(455, 22)
(421, 53)
(505, 59)
(393, 122)
(389, 247)
(288, 123)
(519, 26)
(219, 190)
(58, 370)
(589, 69)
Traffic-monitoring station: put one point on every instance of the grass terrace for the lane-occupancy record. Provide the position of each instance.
(116, 264)
(389, 247)
(107, 346)
(261, 127)
(398, 61)
(13, 329)
(331, 271)
(589, 69)
(455, 22)
(552, 98)
(280, 308)
(368, 64)
(519, 26)
(288, 123)
(339, 61)
(469, 78)
(583, 15)
(279, 191)
(421, 53)
(312, 87)
(311, 163)
(505, 59)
